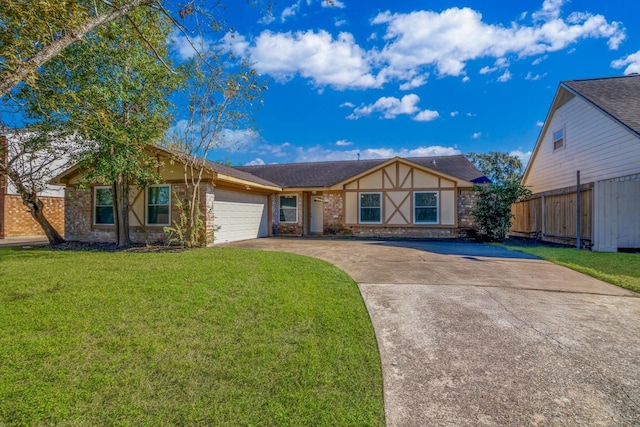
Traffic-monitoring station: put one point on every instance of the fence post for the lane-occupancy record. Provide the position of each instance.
(578, 209)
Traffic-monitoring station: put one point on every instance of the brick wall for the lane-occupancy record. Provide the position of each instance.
(17, 220)
(288, 228)
(333, 215)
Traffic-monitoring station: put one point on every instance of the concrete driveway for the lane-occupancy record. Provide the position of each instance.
(474, 335)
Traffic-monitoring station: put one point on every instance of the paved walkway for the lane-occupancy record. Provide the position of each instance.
(476, 335)
(24, 241)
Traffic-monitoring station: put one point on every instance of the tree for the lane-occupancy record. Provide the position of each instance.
(221, 94)
(33, 33)
(493, 211)
(30, 160)
(112, 90)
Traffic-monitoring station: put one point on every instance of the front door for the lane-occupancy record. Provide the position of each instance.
(317, 208)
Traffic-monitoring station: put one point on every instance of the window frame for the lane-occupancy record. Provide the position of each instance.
(147, 205)
(96, 206)
(280, 207)
(562, 139)
(436, 207)
(363, 193)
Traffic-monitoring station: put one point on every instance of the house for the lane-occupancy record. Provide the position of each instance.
(412, 197)
(590, 141)
(15, 219)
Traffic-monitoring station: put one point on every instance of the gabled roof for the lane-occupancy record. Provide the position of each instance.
(327, 174)
(619, 97)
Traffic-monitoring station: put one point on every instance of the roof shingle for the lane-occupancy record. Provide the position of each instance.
(326, 174)
(618, 97)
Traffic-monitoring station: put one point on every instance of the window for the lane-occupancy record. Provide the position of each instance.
(558, 139)
(371, 208)
(425, 207)
(103, 206)
(158, 205)
(289, 208)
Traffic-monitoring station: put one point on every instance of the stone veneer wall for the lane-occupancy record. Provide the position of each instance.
(17, 220)
(288, 228)
(79, 218)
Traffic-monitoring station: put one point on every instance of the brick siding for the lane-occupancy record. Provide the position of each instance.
(17, 220)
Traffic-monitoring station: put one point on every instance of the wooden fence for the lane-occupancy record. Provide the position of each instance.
(553, 217)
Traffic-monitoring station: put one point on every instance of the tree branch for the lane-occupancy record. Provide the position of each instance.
(54, 48)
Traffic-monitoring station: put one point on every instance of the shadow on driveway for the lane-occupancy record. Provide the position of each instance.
(469, 250)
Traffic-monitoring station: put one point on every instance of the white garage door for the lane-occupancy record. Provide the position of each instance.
(239, 216)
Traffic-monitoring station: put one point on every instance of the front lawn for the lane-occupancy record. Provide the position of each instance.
(620, 269)
(209, 337)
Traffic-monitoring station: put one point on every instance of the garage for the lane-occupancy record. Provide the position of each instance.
(239, 216)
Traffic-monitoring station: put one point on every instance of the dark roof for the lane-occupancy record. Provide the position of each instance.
(618, 97)
(240, 174)
(326, 174)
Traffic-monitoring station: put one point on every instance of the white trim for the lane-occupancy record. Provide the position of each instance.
(287, 196)
(93, 202)
(437, 207)
(362, 193)
(146, 206)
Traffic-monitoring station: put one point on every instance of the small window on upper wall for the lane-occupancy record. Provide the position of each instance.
(158, 205)
(289, 208)
(558, 139)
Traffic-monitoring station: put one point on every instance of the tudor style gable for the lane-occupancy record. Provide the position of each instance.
(401, 193)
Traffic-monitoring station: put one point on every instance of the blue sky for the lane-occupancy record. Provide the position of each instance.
(412, 78)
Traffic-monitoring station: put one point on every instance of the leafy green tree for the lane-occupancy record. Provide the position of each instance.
(493, 211)
(112, 90)
(34, 32)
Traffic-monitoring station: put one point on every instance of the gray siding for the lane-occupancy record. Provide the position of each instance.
(595, 144)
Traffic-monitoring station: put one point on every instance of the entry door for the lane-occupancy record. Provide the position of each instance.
(316, 214)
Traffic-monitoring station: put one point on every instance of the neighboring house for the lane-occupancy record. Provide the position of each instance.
(593, 127)
(15, 219)
(417, 197)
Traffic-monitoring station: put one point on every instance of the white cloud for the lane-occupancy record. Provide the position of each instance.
(632, 62)
(343, 143)
(505, 77)
(414, 83)
(539, 60)
(418, 41)
(476, 135)
(454, 113)
(320, 153)
(539, 123)
(390, 107)
(465, 79)
(333, 3)
(524, 156)
(536, 77)
(426, 116)
(290, 11)
(186, 47)
(255, 162)
(449, 39)
(338, 62)
(347, 105)
(340, 22)
(487, 70)
(236, 43)
(471, 115)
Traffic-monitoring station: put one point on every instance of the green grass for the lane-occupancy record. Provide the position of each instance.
(217, 336)
(621, 269)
